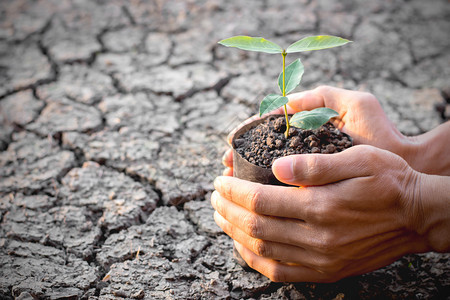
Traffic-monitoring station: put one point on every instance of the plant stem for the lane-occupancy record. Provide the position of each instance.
(286, 133)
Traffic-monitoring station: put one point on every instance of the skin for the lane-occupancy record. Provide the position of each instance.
(347, 213)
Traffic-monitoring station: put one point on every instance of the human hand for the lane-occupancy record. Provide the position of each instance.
(357, 211)
(360, 116)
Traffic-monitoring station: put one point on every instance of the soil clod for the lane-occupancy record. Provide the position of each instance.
(263, 144)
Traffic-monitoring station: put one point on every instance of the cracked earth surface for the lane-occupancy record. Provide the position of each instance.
(113, 122)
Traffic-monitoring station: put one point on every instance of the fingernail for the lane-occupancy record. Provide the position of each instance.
(283, 169)
(227, 172)
(238, 246)
(225, 156)
(217, 183)
(214, 199)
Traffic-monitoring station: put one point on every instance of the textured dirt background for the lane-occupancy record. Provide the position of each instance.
(113, 122)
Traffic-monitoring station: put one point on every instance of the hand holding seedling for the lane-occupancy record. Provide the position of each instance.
(357, 211)
(343, 223)
(364, 119)
(291, 76)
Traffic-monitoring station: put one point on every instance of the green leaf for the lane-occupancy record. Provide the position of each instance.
(258, 44)
(272, 102)
(312, 119)
(293, 76)
(316, 43)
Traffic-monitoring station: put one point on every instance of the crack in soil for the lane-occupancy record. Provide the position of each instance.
(128, 14)
(94, 215)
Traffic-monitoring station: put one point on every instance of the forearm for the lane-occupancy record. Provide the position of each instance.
(433, 203)
(429, 153)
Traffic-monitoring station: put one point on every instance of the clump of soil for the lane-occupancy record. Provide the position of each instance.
(266, 142)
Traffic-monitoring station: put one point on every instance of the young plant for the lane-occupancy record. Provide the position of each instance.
(290, 76)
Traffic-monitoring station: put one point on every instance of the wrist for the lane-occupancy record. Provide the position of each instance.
(426, 153)
(412, 151)
(429, 211)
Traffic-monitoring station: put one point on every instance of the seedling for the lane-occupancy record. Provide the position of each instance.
(290, 76)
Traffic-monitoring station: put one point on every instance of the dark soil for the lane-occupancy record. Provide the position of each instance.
(266, 142)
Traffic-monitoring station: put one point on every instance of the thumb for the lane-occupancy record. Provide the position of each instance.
(320, 169)
(323, 96)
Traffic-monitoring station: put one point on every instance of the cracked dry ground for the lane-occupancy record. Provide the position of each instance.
(113, 121)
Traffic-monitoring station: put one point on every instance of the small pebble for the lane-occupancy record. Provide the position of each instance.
(279, 125)
(239, 142)
(294, 142)
(313, 144)
(331, 148)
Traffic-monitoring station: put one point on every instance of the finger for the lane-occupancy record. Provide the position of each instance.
(237, 222)
(313, 204)
(320, 169)
(280, 111)
(265, 248)
(281, 272)
(263, 199)
(280, 239)
(227, 158)
(227, 172)
(323, 208)
(263, 227)
(323, 96)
